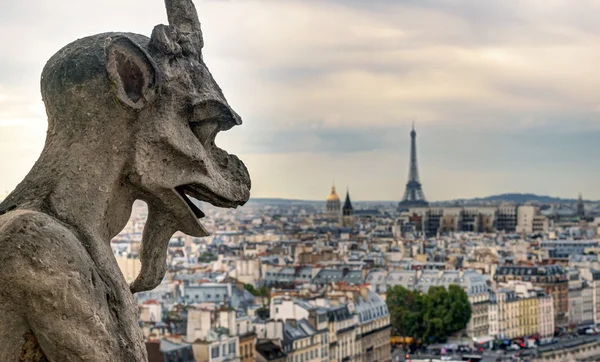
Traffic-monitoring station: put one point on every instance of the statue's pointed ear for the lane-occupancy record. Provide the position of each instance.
(131, 71)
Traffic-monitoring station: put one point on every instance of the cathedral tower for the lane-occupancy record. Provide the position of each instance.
(348, 213)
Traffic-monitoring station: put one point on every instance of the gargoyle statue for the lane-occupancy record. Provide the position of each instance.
(128, 118)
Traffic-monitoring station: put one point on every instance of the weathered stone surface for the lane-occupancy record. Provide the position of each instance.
(128, 118)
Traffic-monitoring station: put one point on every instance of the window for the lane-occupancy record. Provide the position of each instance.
(232, 348)
(214, 353)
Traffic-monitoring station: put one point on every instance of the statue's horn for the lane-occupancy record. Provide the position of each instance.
(182, 15)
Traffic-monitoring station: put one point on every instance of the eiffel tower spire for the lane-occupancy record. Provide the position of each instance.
(413, 195)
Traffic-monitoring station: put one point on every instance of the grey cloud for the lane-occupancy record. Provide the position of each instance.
(319, 140)
(344, 78)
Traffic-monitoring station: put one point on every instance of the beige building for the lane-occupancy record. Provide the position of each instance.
(521, 310)
(353, 323)
(374, 328)
(479, 325)
(530, 221)
(592, 277)
(342, 334)
(296, 338)
(553, 279)
(505, 308)
(130, 266)
(545, 315)
(214, 334)
(434, 220)
(528, 314)
(246, 270)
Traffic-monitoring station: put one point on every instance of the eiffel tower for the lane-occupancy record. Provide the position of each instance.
(413, 196)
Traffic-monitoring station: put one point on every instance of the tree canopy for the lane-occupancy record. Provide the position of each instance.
(260, 292)
(207, 257)
(431, 316)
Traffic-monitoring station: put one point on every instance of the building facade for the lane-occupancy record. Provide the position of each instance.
(374, 328)
(553, 279)
(507, 311)
(545, 315)
(342, 334)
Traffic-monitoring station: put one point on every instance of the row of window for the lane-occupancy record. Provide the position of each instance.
(247, 351)
(305, 357)
(223, 350)
(206, 295)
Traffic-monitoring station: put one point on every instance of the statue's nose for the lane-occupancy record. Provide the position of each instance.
(236, 117)
(217, 109)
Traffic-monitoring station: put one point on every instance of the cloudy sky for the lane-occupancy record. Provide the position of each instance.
(505, 93)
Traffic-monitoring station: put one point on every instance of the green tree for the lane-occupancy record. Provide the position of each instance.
(432, 316)
(460, 308)
(207, 257)
(260, 292)
(250, 288)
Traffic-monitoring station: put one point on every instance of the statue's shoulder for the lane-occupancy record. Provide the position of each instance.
(31, 239)
(31, 224)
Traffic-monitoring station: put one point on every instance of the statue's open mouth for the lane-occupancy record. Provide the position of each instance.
(202, 193)
(195, 209)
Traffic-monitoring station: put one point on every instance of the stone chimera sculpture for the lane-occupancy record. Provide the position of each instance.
(128, 118)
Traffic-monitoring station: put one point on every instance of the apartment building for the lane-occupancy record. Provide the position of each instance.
(553, 279)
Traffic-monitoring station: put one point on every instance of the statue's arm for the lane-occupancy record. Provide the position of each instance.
(59, 294)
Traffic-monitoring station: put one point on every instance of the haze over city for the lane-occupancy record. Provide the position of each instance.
(504, 94)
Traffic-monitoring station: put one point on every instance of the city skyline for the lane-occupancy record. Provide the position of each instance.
(504, 97)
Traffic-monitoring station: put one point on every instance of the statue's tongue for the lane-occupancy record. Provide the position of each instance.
(158, 231)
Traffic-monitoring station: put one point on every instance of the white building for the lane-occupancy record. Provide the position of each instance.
(493, 321)
(150, 311)
(530, 221)
(592, 277)
(546, 315)
(213, 335)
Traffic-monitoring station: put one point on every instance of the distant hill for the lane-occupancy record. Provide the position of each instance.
(508, 197)
(516, 198)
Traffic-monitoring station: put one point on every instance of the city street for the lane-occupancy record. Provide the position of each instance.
(492, 356)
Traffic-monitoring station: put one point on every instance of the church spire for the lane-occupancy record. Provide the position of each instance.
(347, 209)
(580, 206)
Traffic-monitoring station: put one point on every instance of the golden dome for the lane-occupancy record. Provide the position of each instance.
(333, 196)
